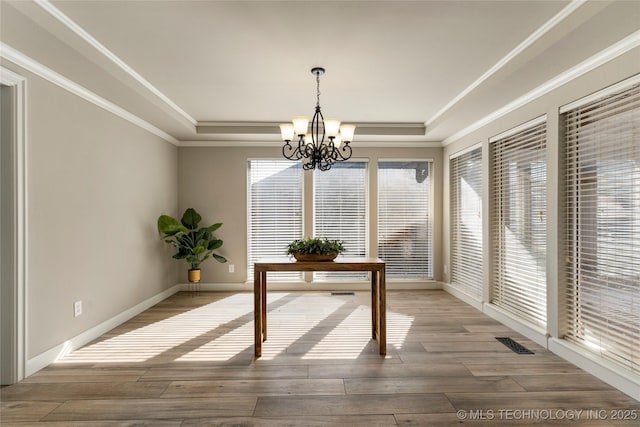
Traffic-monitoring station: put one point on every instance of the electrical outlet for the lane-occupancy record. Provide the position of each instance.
(77, 308)
(232, 268)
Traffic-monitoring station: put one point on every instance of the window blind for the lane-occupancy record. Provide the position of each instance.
(275, 211)
(602, 147)
(340, 211)
(519, 223)
(404, 222)
(466, 221)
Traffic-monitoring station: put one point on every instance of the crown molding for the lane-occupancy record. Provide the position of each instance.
(265, 143)
(268, 128)
(526, 43)
(93, 42)
(615, 50)
(29, 64)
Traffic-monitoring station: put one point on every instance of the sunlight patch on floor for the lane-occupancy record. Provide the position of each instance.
(310, 326)
(398, 326)
(347, 340)
(286, 324)
(150, 341)
(292, 322)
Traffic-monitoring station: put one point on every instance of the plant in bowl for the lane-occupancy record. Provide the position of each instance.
(194, 244)
(314, 249)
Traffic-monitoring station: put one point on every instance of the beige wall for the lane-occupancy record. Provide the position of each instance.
(213, 180)
(95, 187)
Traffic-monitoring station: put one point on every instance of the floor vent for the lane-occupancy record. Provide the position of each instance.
(514, 346)
(341, 293)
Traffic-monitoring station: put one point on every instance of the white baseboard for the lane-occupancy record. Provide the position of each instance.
(624, 380)
(463, 296)
(310, 287)
(538, 335)
(44, 359)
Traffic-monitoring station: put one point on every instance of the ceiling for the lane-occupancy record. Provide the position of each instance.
(231, 70)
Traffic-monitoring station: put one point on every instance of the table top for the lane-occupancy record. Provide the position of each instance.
(339, 264)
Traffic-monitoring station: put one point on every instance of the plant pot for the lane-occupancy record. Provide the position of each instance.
(194, 275)
(315, 257)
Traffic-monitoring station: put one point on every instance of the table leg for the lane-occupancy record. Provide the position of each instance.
(374, 304)
(263, 281)
(382, 294)
(257, 313)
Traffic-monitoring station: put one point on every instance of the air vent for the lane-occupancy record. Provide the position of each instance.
(514, 346)
(341, 293)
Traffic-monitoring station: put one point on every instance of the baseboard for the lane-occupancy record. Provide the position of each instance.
(538, 335)
(44, 359)
(312, 286)
(624, 380)
(463, 296)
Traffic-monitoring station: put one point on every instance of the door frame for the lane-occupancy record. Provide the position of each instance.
(18, 173)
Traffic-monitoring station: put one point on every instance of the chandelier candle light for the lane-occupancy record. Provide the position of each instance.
(311, 142)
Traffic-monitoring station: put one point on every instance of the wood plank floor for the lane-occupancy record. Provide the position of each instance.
(189, 362)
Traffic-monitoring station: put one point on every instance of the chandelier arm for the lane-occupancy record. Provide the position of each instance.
(288, 148)
(310, 165)
(301, 147)
(308, 150)
(346, 149)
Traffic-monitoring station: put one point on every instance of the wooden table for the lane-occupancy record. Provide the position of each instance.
(378, 291)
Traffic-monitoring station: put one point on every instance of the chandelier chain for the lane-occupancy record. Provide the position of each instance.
(318, 90)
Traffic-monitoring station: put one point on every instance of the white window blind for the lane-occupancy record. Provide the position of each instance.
(602, 143)
(340, 211)
(405, 240)
(519, 223)
(466, 221)
(275, 211)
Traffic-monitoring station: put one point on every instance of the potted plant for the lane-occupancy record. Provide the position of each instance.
(314, 249)
(194, 244)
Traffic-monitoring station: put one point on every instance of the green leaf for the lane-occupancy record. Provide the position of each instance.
(191, 219)
(213, 227)
(198, 250)
(169, 226)
(219, 258)
(214, 244)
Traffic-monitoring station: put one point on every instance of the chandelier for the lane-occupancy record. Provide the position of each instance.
(311, 146)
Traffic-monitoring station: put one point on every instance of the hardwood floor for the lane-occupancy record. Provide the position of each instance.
(189, 362)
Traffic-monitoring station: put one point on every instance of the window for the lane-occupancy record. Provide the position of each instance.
(404, 221)
(602, 154)
(519, 222)
(274, 210)
(466, 221)
(340, 210)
